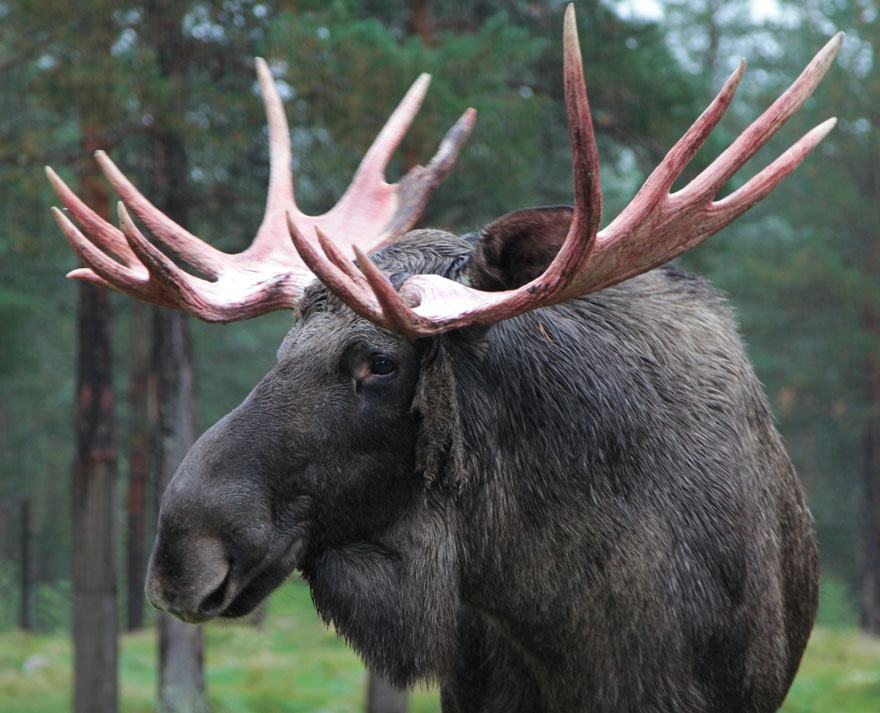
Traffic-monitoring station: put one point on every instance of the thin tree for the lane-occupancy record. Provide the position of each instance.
(181, 646)
(140, 395)
(26, 614)
(94, 495)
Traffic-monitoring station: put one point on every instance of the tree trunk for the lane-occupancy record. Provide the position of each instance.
(382, 697)
(421, 20)
(870, 575)
(26, 619)
(181, 657)
(138, 466)
(181, 646)
(94, 508)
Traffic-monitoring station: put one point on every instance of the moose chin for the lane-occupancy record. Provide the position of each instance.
(532, 464)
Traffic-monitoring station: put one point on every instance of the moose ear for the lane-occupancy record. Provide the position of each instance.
(518, 247)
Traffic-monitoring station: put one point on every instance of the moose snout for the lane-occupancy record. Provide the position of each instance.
(196, 584)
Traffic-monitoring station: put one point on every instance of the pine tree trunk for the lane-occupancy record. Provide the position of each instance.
(181, 647)
(94, 508)
(870, 574)
(382, 697)
(138, 465)
(421, 20)
(26, 615)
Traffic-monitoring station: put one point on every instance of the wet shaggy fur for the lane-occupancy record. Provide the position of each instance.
(585, 508)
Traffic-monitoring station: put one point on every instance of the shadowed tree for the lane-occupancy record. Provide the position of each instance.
(181, 647)
(95, 527)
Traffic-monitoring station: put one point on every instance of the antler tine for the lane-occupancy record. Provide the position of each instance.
(657, 226)
(447, 151)
(585, 157)
(581, 237)
(659, 183)
(759, 186)
(367, 291)
(335, 279)
(180, 241)
(574, 254)
(332, 251)
(385, 144)
(369, 178)
(416, 186)
(106, 235)
(747, 144)
(102, 269)
(398, 317)
(97, 260)
(165, 273)
(412, 190)
(272, 233)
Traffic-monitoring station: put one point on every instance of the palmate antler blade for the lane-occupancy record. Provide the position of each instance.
(653, 229)
(269, 274)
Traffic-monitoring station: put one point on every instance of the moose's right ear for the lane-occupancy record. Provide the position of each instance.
(518, 247)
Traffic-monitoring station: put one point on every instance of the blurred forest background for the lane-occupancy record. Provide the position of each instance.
(168, 90)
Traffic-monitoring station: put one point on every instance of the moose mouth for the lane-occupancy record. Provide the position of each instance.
(254, 593)
(242, 598)
(240, 592)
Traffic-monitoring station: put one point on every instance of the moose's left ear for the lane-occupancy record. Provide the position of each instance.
(518, 247)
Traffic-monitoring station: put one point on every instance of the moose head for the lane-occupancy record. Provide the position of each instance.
(523, 462)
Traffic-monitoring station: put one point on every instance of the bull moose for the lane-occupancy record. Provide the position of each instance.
(532, 464)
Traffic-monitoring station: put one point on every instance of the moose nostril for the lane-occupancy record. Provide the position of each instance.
(215, 602)
(195, 583)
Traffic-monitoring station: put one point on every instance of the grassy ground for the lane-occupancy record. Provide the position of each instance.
(293, 665)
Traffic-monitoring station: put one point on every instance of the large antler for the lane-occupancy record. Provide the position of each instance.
(269, 274)
(654, 228)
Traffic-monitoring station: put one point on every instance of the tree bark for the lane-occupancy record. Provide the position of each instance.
(382, 697)
(26, 618)
(421, 20)
(870, 313)
(94, 508)
(181, 646)
(139, 424)
(870, 574)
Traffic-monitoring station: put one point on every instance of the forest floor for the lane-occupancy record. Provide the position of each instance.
(291, 663)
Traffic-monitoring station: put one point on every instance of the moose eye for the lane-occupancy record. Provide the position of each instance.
(382, 365)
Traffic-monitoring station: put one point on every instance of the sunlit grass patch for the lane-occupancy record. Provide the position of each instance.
(34, 673)
(840, 673)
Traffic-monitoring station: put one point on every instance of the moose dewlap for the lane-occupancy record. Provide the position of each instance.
(533, 464)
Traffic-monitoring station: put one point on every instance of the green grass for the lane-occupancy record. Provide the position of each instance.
(292, 664)
(840, 673)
